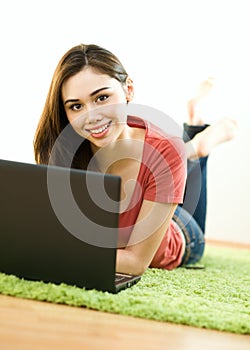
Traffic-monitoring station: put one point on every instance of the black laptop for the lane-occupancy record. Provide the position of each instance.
(60, 225)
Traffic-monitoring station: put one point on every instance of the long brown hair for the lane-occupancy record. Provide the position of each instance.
(54, 120)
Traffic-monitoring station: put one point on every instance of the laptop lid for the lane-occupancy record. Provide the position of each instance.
(59, 225)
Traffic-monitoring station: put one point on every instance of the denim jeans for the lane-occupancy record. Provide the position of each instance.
(194, 236)
(191, 215)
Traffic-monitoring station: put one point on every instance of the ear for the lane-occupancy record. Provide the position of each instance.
(129, 87)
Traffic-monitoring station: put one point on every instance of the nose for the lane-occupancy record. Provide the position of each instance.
(93, 115)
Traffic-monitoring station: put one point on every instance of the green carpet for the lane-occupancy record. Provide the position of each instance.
(217, 297)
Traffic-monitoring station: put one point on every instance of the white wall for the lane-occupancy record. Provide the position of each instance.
(167, 47)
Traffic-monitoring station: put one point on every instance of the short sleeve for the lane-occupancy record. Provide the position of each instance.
(165, 169)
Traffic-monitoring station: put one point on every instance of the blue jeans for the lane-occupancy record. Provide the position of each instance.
(191, 215)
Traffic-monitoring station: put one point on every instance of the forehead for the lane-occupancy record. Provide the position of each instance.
(87, 81)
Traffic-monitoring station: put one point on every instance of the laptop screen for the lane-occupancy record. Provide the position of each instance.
(44, 237)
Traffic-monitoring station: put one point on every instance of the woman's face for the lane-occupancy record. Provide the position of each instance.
(95, 105)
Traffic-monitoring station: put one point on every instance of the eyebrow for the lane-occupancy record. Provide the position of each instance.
(92, 94)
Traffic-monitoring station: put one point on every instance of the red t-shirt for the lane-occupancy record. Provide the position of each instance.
(161, 178)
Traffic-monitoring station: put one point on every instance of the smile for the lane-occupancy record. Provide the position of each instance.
(101, 131)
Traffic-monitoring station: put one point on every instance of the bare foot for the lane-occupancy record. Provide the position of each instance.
(203, 143)
(194, 117)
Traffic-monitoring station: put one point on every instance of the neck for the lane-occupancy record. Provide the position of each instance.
(128, 146)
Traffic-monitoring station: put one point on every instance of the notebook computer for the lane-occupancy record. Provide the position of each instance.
(60, 225)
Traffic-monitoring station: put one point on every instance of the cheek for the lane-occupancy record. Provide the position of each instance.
(69, 114)
(118, 111)
(78, 124)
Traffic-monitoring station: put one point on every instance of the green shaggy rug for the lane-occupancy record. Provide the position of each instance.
(217, 297)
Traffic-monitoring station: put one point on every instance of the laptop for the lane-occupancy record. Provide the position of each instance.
(60, 225)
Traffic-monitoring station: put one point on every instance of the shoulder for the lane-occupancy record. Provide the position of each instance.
(154, 134)
(157, 140)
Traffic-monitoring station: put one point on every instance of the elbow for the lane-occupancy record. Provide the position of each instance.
(130, 263)
(139, 268)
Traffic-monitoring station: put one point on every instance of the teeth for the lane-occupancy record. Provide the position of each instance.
(97, 131)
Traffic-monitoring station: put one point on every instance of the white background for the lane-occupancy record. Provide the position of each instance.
(167, 47)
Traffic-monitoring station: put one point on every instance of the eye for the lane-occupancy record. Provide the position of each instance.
(76, 107)
(102, 98)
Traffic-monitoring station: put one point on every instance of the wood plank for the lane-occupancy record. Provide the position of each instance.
(28, 324)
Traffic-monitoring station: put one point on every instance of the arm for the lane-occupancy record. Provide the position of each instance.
(148, 232)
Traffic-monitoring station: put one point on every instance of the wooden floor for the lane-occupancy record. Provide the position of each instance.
(28, 324)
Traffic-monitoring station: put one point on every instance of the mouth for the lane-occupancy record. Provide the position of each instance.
(100, 131)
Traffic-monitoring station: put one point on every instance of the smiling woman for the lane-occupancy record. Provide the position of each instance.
(162, 218)
(66, 100)
(84, 94)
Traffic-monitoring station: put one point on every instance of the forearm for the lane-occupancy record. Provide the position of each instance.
(146, 238)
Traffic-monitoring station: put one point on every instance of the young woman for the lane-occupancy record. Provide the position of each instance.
(163, 212)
